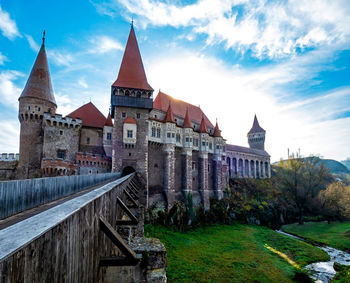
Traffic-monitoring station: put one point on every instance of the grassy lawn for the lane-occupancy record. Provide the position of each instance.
(232, 253)
(336, 234)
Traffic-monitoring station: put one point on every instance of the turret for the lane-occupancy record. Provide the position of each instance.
(36, 99)
(204, 135)
(256, 136)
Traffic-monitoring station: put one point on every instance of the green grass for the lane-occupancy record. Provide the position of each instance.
(336, 234)
(232, 253)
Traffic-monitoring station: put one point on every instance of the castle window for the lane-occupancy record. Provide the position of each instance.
(158, 133)
(187, 139)
(203, 143)
(38, 108)
(88, 140)
(61, 133)
(168, 135)
(155, 165)
(172, 135)
(28, 107)
(109, 136)
(155, 116)
(210, 145)
(178, 138)
(130, 134)
(138, 115)
(61, 153)
(193, 165)
(153, 132)
(123, 114)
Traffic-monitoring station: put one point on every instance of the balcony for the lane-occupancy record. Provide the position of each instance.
(131, 101)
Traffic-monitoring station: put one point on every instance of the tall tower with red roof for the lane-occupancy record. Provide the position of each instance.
(36, 99)
(256, 136)
(131, 102)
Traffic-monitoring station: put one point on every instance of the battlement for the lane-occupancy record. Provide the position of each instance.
(58, 167)
(9, 156)
(60, 121)
(92, 160)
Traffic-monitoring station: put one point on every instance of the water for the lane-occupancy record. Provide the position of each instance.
(323, 272)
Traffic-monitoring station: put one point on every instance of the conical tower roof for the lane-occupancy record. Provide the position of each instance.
(131, 72)
(187, 121)
(203, 127)
(217, 132)
(39, 82)
(256, 127)
(109, 121)
(169, 116)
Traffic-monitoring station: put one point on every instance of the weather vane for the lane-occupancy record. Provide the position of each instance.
(132, 21)
(44, 36)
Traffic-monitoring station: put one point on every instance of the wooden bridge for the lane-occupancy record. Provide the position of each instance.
(92, 234)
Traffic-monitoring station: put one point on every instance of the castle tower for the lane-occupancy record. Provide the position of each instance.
(217, 162)
(36, 99)
(187, 156)
(203, 165)
(256, 136)
(131, 102)
(169, 157)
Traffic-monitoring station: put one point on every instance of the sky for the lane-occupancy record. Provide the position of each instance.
(288, 62)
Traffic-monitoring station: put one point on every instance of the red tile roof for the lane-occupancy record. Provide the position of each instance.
(217, 132)
(109, 121)
(90, 115)
(131, 72)
(256, 127)
(179, 108)
(169, 117)
(187, 121)
(203, 127)
(129, 120)
(39, 82)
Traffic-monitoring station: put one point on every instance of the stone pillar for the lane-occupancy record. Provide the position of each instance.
(243, 168)
(263, 170)
(203, 179)
(249, 170)
(217, 174)
(268, 170)
(169, 173)
(187, 172)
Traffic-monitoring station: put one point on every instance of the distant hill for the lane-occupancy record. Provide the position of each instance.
(334, 166)
(346, 163)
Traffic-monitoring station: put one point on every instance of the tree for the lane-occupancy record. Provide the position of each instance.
(336, 200)
(302, 179)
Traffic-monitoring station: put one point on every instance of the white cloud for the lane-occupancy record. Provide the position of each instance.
(9, 92)
(59, 58)
(9, 141)
(8, 27)
(234, 95)
(3, 58)
(104, 44)
(269, 28)
(82, 83)
(33, 45)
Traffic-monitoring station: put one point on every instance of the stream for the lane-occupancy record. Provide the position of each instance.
(323, 272)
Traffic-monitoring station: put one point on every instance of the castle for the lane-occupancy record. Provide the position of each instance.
(170, 142)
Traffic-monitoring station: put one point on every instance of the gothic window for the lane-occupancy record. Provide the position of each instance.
(178, 138)
(61, 153)
(187, 139)
(88, 140)
(158, 133)
(61, 133)
(153, 132)
(123, 114)
(203, 143)
(138, 115)
(109, 136)
(210, 146)
(130, 134)
(173, 135)
(168, 135)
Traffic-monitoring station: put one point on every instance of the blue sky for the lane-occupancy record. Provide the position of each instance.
(286, 61)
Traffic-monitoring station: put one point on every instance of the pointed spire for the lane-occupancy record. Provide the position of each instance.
(131, 72)
(39, 82)
(203, 127)
(109, 121)
(256, 127)
(187, 121)
(169, 116)
(217, 132)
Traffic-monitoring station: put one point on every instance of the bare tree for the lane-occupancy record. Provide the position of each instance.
(302, 179)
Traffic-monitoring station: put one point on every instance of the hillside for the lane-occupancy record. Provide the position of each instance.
(335, 167)
(346, 163)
